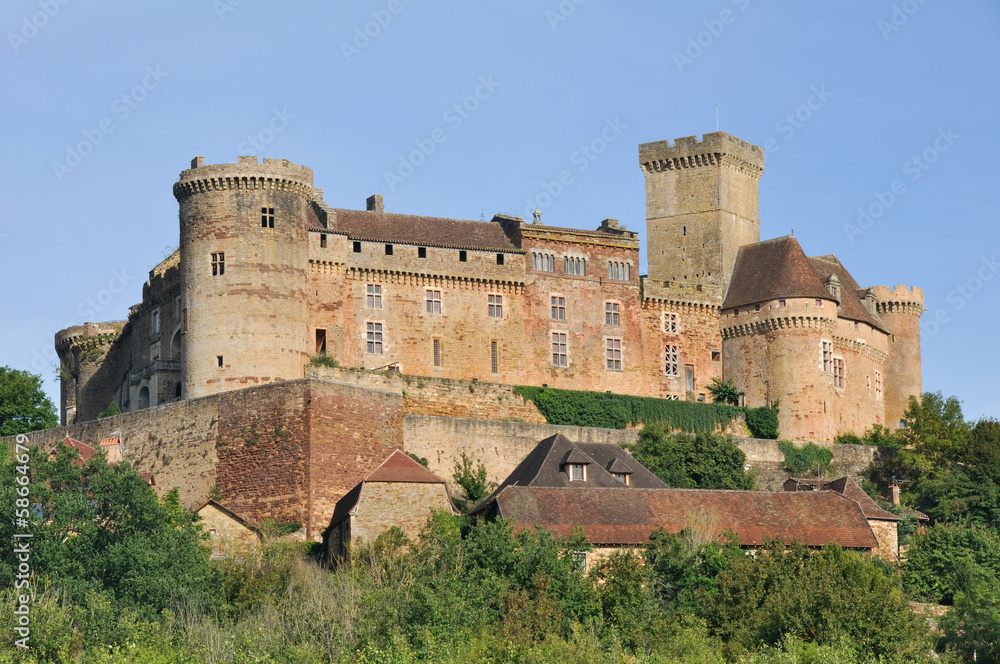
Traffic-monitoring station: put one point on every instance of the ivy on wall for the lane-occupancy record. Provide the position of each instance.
(617, 411)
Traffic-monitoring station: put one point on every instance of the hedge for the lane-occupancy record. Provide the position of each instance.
(617, 411)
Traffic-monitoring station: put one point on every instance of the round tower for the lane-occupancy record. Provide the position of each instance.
(85, 380)
(900, 308)
(244, 269)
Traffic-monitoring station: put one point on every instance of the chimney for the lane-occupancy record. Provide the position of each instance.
(894, 492)
(375, 204)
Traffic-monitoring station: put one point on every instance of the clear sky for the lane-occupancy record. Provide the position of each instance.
(876, 106)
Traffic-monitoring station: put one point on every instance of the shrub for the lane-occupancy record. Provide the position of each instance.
(809, 458)
(692, 461)
(110, 411)
(763, 422)
(323, 360)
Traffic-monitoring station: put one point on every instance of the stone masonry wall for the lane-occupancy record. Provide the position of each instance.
(387, 504)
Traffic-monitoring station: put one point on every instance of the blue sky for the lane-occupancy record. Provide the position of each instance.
(886, 107)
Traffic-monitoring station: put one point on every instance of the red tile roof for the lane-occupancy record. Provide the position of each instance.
(850, 489)
(398, 467)
(851, 306)
(85, 450)
(629, 516)
(423, 231)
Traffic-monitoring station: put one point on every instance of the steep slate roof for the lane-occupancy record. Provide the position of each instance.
(770, 270)
(851, 306)
(543, 466)
(423, 231)
(629, 516)
(846, 487)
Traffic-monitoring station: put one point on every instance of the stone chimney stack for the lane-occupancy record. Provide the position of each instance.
(375, 204)
(894, 493)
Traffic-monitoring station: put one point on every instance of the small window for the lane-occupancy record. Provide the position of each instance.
(433, 299)
(670, 323)
(373, 298)
(494, 306)
(388, 250)
(671, 368)
(494, 357)
(819, 302)
(838, 372)
(716, 355)
(322, 240)
(463, 256)
(156, 321)
(618, 271)
(826, 355)
(374, 338)
(689, 377)
(613, 352)
(611, 314)
(558, 308)
(499, 259)
(543, 262)
(320, 341)
(577, 472)
(437, 352)
(267, 217)
(421, 252)
(560, 356)
(622, 477)
(756, 307)
(575, 266)
(218, 264)
(781, 303)
(219, 361)
(701, 398)
(878, 386)
(357, 247)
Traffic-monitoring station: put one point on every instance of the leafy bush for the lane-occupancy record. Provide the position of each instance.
(809, 458)
(763, 422)
(419, 459)
(723, 391)
(692, 461)
(323, 360)
(473, 481)
(110, 411)
(878, 436)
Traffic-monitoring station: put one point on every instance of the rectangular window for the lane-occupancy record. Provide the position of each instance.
(499, 259)
(560, 355)
(267, 217)
(819, 303)
(433, 301)
(689, 377)
(611, 316)
(670, 323)
(618, 271)
(576, 472)
(672, 366)
(421, 252)
(494, 306)
(373, 299)
(322, 240)
(826, 350)
(756, 307)
(463, 256)
(218, 264)
(878, 386)
(716, 355)
(219, 361)
(781, 303)
(614, 354)
(494, 357)
(437, 352)
(357, 247)
(374, 338)
(838, 372)
(156, 321)
(622, 477)
(320, 341)
(558, 308)
(388, 250)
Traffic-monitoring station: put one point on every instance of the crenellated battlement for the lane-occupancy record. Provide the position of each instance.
(715, 149)
(899, 299)
(88, 335)
(247, 173)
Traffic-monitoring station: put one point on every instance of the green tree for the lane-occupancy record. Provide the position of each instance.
(810, 458)
(472, 479)
(938, 560)
(724, 392)
(972, 626)
(692, 461)
(24, 407)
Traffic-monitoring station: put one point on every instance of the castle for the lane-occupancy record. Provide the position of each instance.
(267, 275)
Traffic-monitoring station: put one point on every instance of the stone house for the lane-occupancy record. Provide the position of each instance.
(399, 492)
(228, 531)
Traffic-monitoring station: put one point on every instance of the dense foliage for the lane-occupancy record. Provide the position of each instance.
(723, 391)
(472, 478)
(809, 459)
(617, 411)
(24, 406)
(692, 461)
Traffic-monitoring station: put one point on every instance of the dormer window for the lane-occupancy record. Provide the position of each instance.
(577, 472)
(622, 477)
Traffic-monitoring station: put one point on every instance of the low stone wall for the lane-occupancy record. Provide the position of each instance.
(503, 445)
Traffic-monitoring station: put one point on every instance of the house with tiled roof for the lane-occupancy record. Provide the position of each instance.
(399, 492)
(883, 523)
